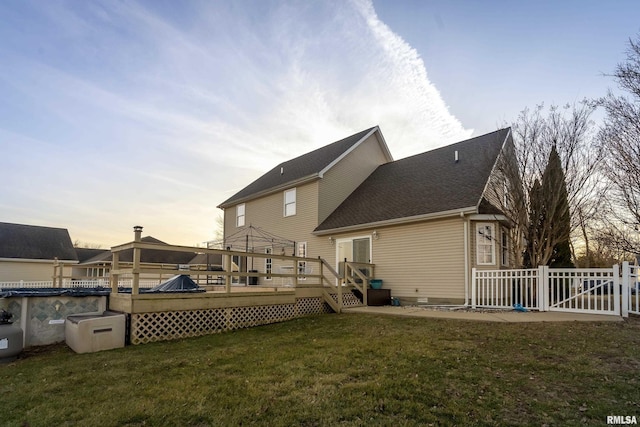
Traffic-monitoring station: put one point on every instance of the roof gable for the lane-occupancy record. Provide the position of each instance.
(307, 166)
(423, 184)
(35, 242)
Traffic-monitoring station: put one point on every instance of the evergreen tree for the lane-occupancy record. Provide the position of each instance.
(535, 223)
(549, 218)
(554, 188)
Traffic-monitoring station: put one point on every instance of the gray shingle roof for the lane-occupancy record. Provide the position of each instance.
(293, 170)
(423, 184)
(147, 255)
(35, 242)
(85, 254)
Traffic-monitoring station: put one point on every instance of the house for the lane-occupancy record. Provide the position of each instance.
(27, 252)
(424, 221)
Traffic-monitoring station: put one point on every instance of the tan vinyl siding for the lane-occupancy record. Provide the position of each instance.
(421, 260)
(495, 190)
(344, 177)
(267, 213)
(11, 271)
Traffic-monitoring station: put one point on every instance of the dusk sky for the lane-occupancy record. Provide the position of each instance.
(122, 113)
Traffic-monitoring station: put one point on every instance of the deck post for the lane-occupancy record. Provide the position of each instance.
(55, 271)
(340, 284)
(115, 265)
(295, 272)
(365, 290)
(227, 267)
(61, 275)
(135, 286)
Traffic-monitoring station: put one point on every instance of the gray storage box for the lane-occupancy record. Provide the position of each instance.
(91, 333)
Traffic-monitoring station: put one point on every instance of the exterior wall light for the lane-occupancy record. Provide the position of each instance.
(375, 235)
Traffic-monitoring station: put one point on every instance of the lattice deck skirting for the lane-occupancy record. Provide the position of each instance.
(168, 325)
(348, 299)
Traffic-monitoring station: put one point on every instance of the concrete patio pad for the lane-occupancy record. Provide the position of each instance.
(498, 316)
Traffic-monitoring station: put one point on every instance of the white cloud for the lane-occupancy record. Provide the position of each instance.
(166, 122)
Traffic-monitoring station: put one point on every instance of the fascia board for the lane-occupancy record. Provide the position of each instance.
(272, 190)
(398, 221)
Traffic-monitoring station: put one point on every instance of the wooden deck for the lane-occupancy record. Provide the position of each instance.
(308, 286)
(304, 278)
(149, 303)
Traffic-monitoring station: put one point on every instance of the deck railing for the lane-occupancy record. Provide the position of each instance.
(301, 271)
(358, 275)
(354, 275)
(334, 282)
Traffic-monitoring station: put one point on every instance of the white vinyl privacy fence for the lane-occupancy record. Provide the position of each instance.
(579, 290)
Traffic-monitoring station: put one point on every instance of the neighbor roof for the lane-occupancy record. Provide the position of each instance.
(424, 184)
(85, 254)
(35, 242)
(308, 165)
(151, 255)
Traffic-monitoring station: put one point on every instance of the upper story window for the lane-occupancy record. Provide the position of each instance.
(485, 244)
(240, 215)
(290, 202)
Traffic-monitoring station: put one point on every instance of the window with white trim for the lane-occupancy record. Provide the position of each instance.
(301, 251)
(485, 244)
(240, 215)
(268, 263)
(290, 202)
(504, 247)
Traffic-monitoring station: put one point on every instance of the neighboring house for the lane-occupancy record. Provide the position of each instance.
(424, 221)
(92, 264)
(28, 252)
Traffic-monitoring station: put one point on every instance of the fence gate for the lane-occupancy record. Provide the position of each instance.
(583, 290)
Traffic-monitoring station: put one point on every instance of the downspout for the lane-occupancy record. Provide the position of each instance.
(466, 259)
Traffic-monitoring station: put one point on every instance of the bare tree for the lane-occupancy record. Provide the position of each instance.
(521, 189)
(603, 253)
(85, 245)
(218, 234)
(620, 138)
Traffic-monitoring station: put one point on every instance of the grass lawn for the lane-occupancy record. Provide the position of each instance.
(349, 369)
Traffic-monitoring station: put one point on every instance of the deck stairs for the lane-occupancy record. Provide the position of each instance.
(350, 290)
